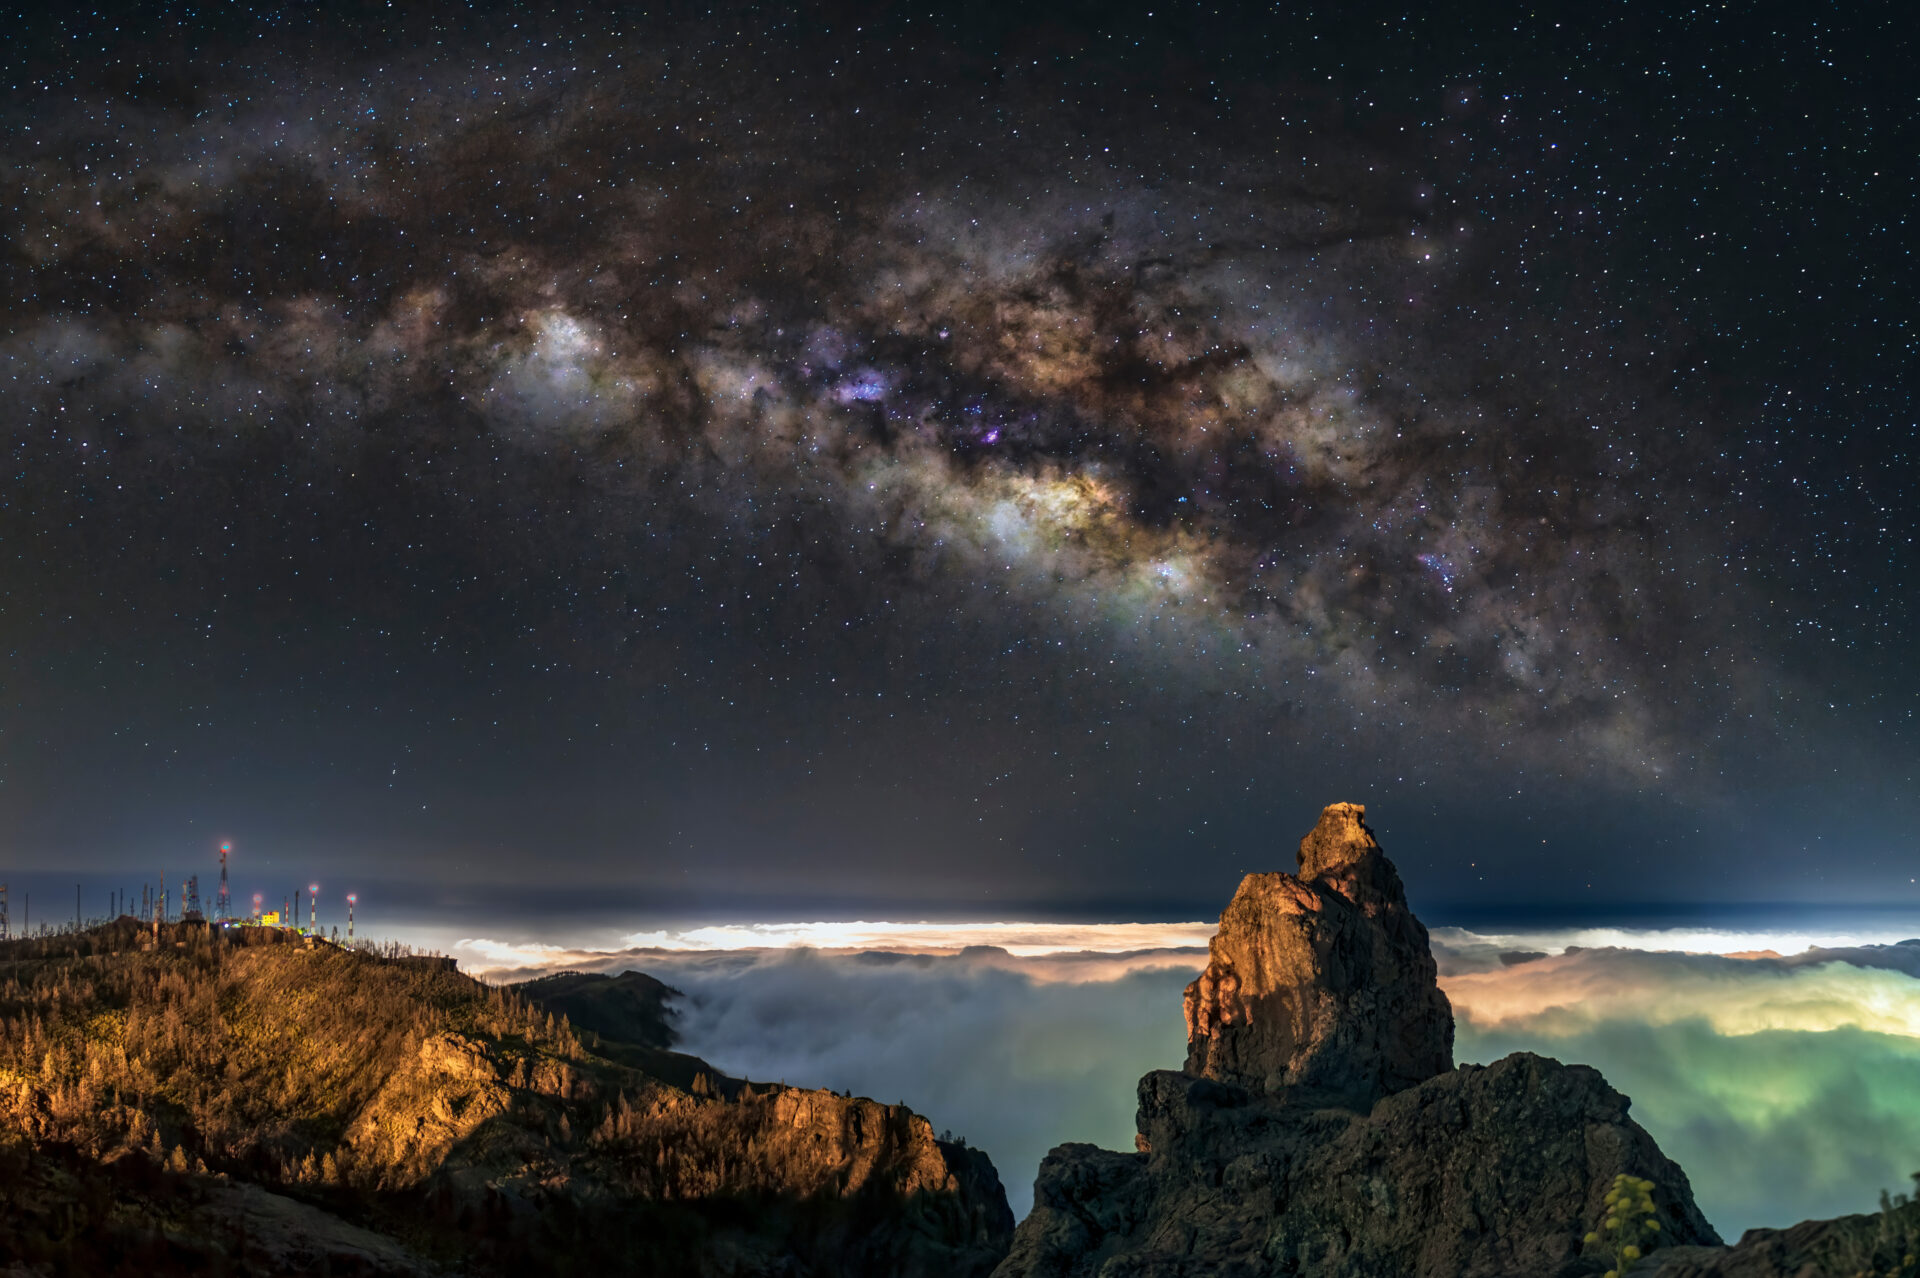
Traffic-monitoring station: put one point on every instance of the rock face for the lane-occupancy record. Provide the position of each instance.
(1493, 1172)
(1319, 1127)
(1322, 981)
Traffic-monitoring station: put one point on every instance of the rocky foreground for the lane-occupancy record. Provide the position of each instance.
(1321, 1128)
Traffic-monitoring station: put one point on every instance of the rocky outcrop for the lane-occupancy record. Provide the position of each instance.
(1324, 980)
(1320, 1128)
(1493, 1172)
(846, 1184)
(935, 1208)
(433, 1101)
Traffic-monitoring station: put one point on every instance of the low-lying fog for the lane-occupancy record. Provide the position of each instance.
(1787, 1087)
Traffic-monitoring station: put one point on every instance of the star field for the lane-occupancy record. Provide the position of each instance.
(933, 457)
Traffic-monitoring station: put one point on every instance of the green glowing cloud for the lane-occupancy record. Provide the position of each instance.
(1786, 1093)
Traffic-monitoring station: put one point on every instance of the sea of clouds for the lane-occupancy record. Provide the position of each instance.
(1782, 1071)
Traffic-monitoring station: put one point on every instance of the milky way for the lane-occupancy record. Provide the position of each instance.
(819, 365)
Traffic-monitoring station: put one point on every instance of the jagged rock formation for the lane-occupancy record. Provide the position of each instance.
(266, 1107)
(1320, 1127)
(1323, 981)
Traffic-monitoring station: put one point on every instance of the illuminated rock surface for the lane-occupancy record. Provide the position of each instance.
(253, 1105)
(1324, 980)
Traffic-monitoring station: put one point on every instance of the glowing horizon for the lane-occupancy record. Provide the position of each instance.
(1032, 940)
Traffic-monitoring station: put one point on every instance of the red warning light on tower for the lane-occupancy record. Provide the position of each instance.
(223, 904)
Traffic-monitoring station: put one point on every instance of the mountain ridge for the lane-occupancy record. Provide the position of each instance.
(249, 1099)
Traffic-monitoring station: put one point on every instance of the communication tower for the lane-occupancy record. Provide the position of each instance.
(351, 898)
(5, 933)
(223, 904)
(191, 907)
(256, 907)
(313, 906)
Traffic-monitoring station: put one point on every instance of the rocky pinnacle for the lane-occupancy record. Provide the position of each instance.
(1322, 980)
(1319, 1127)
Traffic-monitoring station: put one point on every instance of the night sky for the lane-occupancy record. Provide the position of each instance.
(1017, 461)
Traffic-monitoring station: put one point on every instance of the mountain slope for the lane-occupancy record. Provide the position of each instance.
(203, 1080)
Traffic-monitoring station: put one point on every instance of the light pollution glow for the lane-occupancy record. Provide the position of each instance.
(491, 958)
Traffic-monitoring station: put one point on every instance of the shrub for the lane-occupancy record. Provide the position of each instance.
(1890, 1247)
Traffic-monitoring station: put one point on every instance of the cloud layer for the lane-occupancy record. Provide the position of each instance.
(1013, 1063)
(1787, 1087)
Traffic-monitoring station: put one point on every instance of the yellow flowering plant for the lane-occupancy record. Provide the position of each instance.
(1629, 1229)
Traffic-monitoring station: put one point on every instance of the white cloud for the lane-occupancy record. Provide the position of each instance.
(1787, 1087)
